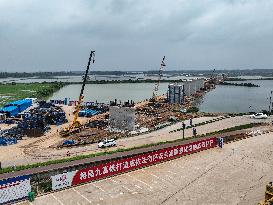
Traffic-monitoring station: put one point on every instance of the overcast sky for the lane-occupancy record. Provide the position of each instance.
(57, 35)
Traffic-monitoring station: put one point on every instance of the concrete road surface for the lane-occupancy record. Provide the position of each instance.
(236, 174)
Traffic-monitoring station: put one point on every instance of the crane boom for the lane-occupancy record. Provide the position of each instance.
(75, 122)
(162, 65)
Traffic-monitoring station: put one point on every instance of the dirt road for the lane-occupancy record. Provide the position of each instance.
(38, 150)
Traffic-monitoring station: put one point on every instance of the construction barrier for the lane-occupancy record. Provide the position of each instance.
(14, 189)
(103, 170)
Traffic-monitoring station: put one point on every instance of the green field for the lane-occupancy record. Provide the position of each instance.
(10, 92)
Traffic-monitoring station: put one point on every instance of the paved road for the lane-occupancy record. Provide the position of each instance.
(236, 174)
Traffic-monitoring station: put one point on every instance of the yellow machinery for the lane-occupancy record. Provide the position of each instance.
(159, 78)
(268, 195)
(76, 125)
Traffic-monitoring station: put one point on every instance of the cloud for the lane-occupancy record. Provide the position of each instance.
(58, 35)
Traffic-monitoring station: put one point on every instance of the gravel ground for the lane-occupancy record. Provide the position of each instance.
(38, 149)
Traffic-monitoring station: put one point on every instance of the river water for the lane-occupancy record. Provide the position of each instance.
(222, 99)
(109, 92)
(238, 98)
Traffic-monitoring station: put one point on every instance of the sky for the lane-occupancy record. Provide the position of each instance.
(57, 35)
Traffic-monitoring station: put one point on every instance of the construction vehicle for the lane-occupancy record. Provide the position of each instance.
(160, 74)
(76, 125)
(268, 195)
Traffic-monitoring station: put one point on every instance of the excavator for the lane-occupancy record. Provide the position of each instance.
(76, 126)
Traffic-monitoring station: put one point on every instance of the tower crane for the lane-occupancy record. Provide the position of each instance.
(160, 74)
(76, 124)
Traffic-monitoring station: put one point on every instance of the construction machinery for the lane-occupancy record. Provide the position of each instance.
(76, 125)
(268, 195)
(160, 74)
(210, 83)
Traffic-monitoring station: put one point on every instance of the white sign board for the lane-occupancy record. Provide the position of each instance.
(61, 181)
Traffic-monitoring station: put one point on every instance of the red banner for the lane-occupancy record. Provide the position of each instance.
(141, 160)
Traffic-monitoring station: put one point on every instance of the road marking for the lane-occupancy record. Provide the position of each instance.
(138, 186)
(159, 178)
(122, 185)
(177, 165)
(169, 176)
(81, 195)
(57, 199)
(171, 172)
(102, 190)
(140, 181)
(98, 187)
(113, 181)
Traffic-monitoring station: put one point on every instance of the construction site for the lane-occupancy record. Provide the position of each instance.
(79, 123)
(36, 131)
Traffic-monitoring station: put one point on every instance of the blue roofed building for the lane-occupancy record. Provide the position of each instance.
(14, 108)
(10, 111)
(21, 104)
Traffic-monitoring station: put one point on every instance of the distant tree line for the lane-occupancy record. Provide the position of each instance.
(208, 73)
(127, 81)
(240, 84)
(36, 74)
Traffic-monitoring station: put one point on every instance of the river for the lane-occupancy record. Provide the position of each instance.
(109, 92)
(238, 98)
(222, 99)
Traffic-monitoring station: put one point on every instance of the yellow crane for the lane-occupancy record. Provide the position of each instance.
(76, 124)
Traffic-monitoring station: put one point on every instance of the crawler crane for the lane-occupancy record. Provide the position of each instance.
(76, 125)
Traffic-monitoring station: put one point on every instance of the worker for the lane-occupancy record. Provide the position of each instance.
(221, 142)
(190, 121)
(194, 132)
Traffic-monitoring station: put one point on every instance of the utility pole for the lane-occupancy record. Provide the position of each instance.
(183, 128)
(270, 103)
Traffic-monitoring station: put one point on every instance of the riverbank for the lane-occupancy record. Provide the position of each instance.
(16, 91)
(244, 79)
(240, 84)
(129, 81)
